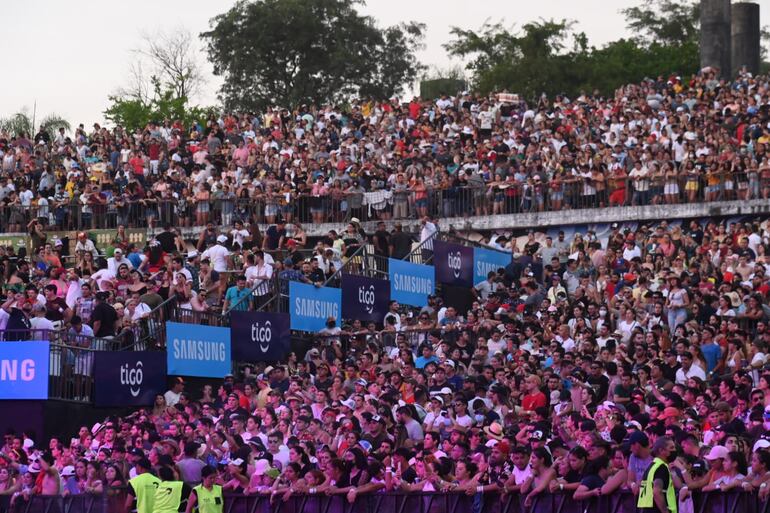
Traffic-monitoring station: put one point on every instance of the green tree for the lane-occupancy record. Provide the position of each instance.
(549, 57)
(134, 112)
(286, 52)
(664, 22)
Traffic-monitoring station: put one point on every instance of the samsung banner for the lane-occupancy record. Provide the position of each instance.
(24, 370)
(310, 306)
(365, 299)
(128, 378)
(410, 283)
(454, 263)
(259, 336)
(486, 260)
(196, 350)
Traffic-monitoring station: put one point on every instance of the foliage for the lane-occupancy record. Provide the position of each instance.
(288, 52)
(547, 56)
(665, 22)
(133, 112)
(52, 123)
(21, 122)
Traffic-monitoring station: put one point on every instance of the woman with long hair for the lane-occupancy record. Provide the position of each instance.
(541, 463)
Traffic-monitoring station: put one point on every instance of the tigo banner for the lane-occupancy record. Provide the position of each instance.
(128, 378)
(365, 299)
(454, 263)
(259, 336)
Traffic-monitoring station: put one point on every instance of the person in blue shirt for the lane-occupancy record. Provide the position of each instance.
(712, 352)
(234, 295)
(426, 358)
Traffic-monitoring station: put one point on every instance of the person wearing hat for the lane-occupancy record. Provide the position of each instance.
(142, 488)
(207, 496)
(219, 256)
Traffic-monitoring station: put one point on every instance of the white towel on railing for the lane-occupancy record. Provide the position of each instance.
(377, 200)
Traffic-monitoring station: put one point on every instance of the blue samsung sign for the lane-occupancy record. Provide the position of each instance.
(24, 370)
(410, 283)
(199, 351)
(310, 306)
(485, 260)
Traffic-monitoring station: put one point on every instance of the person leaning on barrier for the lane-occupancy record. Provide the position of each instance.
(207, 496)
(656, 492)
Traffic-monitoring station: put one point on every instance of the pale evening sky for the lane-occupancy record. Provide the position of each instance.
(69, 56)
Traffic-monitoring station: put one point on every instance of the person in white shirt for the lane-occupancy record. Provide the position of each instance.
(172, 396)
(427, 234)
(218, 255)
(102, 277)
(239, 233)
(84, 244)
(117, 260)
(688, 370)
(258, 275)
(41, 326)
(631, 251)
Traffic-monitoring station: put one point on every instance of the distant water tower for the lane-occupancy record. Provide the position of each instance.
(715, 37)
(745, 37)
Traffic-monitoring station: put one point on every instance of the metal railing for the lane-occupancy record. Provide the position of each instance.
(112, 501)
(510, 197)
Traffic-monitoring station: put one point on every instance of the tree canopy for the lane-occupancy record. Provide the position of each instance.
(288, 52)
(548, 56)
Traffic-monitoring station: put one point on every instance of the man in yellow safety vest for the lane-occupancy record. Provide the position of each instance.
(142, 487)
(656, 492)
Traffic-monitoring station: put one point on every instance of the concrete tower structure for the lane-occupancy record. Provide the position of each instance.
(715, 38)
(745, 37)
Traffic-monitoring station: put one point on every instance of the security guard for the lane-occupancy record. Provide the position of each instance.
(170, 493)
(206, 496)
(142, 487)
(656, 493)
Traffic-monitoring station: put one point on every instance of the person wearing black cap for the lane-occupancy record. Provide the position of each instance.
(142, 488)
(640, 457)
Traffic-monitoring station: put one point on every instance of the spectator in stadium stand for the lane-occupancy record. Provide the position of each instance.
(606, 344)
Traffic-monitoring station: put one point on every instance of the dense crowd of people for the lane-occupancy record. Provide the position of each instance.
(662, 141)
(576, 366)
(630, 360)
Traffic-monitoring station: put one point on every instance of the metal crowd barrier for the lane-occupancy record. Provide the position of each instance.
(446, 202)
(112, 501)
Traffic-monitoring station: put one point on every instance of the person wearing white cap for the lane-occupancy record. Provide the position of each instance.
(219, 256)
(118, 259)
